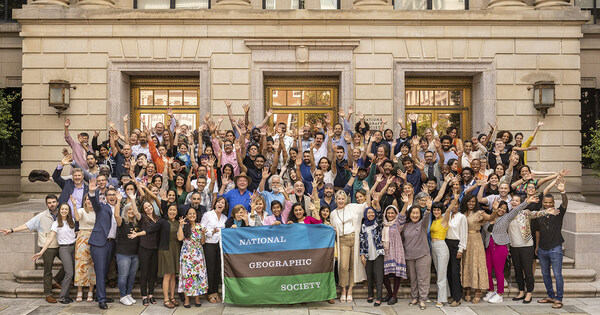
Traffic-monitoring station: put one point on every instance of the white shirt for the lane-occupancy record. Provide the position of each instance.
(492, 198)
(112, 233)
(137, 149)
(458, 229)
(64, 235)
(210, 221)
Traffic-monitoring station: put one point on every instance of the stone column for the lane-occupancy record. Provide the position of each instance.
(507, 5)
(371, 5)
(552, 4)
(64, 3)
(232, 4)
(96, 3)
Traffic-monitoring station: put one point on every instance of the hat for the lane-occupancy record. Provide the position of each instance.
(39, 175)
(242, 174)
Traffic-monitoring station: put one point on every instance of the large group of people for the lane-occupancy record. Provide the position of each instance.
(156, 199)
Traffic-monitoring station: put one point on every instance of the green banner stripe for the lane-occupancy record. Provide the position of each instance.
(280, 289)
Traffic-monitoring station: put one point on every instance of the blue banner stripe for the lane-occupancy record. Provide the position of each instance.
(277, 238)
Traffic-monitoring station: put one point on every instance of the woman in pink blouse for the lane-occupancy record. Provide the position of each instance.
(298, 215)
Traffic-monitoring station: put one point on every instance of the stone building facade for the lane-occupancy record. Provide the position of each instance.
(373, 55)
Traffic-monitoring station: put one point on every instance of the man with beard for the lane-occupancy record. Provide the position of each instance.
(338, 140)
(196, 203)
(250, 158)
(42, 224)
(304, 138)
(360, 177)
(79, 149)
(388, 168)
(276, 192)
(92, 163)
(342, 175)
(285, 141)
(304, 170)
(432, 167)
(142, 146)
(75, 187)
(319, 146)
(328, 197)
(446, 145)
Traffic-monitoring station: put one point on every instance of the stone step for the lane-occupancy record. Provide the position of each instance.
(568, 263)
(13, 289)
(569, 275)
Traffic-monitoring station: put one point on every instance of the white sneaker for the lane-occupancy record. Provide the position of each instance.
(489, 295)
(131, 299)
(125, 301)
(496, 299)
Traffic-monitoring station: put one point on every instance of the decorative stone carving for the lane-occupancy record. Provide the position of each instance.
(97, 3)
(302, 54)
(232, 4)
(372, 5)
(552, 4)
(507, 5)
(64, 3)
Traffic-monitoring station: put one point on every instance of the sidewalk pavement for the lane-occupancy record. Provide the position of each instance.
(24, 306)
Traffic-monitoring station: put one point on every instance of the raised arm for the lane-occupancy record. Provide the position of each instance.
(117, 213)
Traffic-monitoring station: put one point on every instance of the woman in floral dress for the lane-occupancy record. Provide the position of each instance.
(192, 266)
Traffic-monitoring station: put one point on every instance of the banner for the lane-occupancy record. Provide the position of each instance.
(284, 264)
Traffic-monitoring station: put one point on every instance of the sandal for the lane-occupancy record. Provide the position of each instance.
(476, 300)
(370, 300)
(212, 298)
(349, 298)
(90, 297)
(413, 302)
(342, 298)
(145, 301)
(422, 306)
(546, 301)
(168, 304)
(79, 297)
(174, 302)
(557, 304)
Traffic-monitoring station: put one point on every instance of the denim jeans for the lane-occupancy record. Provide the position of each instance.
(128, 265)
(552, 258)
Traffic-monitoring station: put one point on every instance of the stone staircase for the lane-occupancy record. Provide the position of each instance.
(578, 283)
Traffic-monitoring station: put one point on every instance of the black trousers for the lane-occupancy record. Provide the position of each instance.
(148, 269)
(375, 273)
(212, 254)
(453, 273)
(522, 258)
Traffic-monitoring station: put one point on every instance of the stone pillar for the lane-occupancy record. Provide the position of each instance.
(232, 4)
(64, 3)
(552, 4)
(507, 5)
(96, 3)
(371, 5)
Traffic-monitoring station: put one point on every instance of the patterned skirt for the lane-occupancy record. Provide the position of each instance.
(474, 265)
(85, 275)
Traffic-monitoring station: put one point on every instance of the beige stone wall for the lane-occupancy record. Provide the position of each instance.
(515, 48)
(590, 56)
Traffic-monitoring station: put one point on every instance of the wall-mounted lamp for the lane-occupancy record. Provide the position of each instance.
(543, 96)
(59, 94)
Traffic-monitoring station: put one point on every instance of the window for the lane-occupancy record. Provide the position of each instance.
(298, 101)
(431, 4)
(150, 98)
(590, 114)
(6, 7)
(171, 4)
(330, 4)
(447, 100)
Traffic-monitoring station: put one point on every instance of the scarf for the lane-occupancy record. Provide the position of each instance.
(368, 222)
(385, 233)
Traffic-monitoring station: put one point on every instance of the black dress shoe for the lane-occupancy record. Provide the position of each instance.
(385, 299)
(152, 300)
(109, 300)
(64, 301)
(102, 305)
(519, 298)
(370, 300)
(527, 302)
(392, 301)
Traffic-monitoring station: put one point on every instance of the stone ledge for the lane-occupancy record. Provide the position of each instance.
(573, 16)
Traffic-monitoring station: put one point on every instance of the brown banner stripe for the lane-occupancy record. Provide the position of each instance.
(288, 263)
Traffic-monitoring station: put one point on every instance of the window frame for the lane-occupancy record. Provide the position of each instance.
(172, 4)
(162, 83)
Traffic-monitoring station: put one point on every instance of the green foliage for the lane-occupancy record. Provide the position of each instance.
(592, 150)
(8, 127)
